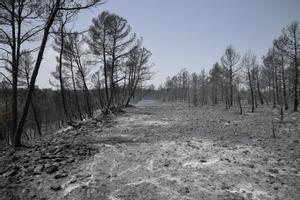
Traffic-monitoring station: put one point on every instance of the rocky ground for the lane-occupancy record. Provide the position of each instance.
(161, 151)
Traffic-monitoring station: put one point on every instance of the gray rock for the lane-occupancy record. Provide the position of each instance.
(38, 169)
(251, 166)
(13, 172)
(51, 169)
(224, 186)
(70, 160)
(56, 187)
(3, 170)
(274, 171)
(47, 165)
(184, 191)
(73, 180)
(245, 151)
(61, 175)
(63, 162)
(56, 164)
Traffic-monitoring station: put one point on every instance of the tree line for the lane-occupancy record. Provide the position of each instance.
(100, 68)
(273, 81)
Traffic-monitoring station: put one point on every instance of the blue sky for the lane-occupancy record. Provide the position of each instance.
(193, 34)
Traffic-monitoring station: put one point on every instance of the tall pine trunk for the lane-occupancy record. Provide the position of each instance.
(61, 81)
(286, 105)
(296, 103)
(19, 130)
(75, 92)
(251, 91)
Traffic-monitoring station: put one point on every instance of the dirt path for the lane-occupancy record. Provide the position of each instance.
(178, 152)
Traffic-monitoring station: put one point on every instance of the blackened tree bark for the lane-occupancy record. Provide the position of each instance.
(75, 91)
(25, 70)
(286, 105)
(82, 71)
(60, 42)
(257, 72)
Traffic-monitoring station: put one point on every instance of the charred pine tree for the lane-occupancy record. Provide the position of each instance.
(98, 42)
(83, 70)
(139, 70)
(48, 10)
(194, 89)
(110, 40)
(14, 34)
(249, 63)
(215, 81)
(282, 60)
(69, 63)
(229, 62)
(25, 70)
(288, 43)
(59, 46)
(257, 76)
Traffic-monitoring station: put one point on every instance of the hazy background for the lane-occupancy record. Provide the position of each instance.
(192, 34)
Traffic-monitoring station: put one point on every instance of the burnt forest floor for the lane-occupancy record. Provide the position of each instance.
(158, 151)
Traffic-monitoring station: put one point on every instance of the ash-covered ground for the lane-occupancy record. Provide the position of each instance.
(169, 151)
